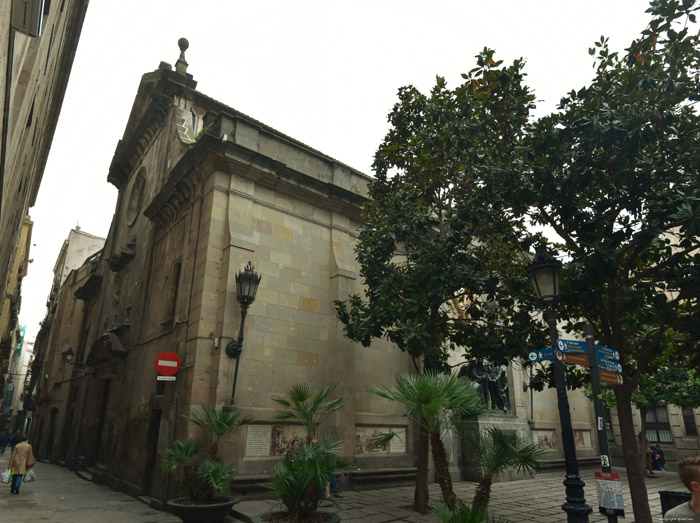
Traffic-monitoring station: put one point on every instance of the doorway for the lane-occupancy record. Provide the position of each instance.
(152, 446)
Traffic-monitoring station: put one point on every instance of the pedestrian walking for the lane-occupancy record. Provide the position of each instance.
(21, 460)
(4, 440)
(689, 472)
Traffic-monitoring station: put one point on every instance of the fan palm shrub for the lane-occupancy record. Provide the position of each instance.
(496, 453)
(463, 513)
(439, 402)
(196, 465)
(302, 406)
(301, 478)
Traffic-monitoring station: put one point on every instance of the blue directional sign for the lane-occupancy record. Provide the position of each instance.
(609, 359)
(572, 346)
(541, 355)
(609, 353)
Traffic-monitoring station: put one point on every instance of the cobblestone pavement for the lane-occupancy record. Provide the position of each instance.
(538, 499)
(59, 496)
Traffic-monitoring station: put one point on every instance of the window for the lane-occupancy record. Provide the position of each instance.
(691, 428)
(658, 426)
(173, 290)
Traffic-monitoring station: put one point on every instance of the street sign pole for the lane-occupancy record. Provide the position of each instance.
(598, 407)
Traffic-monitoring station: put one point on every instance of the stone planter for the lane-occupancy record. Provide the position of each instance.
(334, 518)
(200, 513)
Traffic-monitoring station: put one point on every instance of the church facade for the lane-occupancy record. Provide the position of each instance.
(203, 191)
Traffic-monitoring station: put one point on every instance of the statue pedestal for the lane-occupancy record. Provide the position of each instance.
(463, 463)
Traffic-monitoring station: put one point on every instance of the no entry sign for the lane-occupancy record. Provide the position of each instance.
(167, 363)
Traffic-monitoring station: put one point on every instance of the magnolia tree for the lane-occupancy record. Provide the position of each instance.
(438, 249)
(614, 171)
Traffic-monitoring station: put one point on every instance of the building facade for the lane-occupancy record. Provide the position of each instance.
(203, 190)
(35, 71)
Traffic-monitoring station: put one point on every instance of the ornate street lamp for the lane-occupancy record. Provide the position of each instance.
(247, 283)
(544, 272)
(69, 355)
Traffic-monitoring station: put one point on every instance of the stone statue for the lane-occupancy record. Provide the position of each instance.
(490, 380)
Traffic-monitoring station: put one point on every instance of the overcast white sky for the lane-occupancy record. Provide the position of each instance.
(325, 72)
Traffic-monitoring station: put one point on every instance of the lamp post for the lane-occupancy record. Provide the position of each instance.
(69, 355)
(544, 272)
(247, 283)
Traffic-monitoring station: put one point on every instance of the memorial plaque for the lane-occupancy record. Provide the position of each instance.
(257, 442)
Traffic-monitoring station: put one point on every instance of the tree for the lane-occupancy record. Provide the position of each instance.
(615, 173)
(437, 248)
(440, 403)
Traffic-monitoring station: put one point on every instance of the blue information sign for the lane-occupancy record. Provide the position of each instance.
(608, 359)
(541, 355)
(572, 346)
(611, 354)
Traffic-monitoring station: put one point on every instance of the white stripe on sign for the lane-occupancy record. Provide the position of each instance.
(167, 363)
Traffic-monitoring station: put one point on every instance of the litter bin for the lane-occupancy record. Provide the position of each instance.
(670, 499)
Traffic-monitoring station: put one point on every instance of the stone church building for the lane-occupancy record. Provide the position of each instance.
(203, 190)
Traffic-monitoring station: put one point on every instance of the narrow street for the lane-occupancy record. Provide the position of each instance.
(59, 496)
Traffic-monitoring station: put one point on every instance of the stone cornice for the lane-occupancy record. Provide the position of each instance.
(210, 154)
(128, 155)
(165, 84)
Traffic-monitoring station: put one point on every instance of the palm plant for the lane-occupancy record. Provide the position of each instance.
(300, 480)
(462, 513)
(439, 403)
(302, 406)
(204, 476)
(496, 453)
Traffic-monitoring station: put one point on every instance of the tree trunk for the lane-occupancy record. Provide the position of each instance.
(482, 496)
(633, 463)
(443, 470)
(421, 495)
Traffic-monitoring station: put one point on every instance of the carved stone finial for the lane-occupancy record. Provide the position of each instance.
(181, 64)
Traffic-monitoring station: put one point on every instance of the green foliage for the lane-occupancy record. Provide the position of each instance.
(496, 453)
(614, 173)
(301, 479)
(462, 513)
(438, 248)
(216, 474)
(181, 454)
(217, 423)
(304, 407)
(439, 402)
(204, 477)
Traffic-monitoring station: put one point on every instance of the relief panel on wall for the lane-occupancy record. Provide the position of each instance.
(364, 436)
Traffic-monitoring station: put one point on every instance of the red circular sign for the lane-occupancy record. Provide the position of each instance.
(167, 363)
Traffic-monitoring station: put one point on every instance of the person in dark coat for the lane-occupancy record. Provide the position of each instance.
(4, 440)
(657, 458)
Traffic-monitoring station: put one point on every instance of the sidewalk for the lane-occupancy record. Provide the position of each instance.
(59, 496)
(538, 499)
